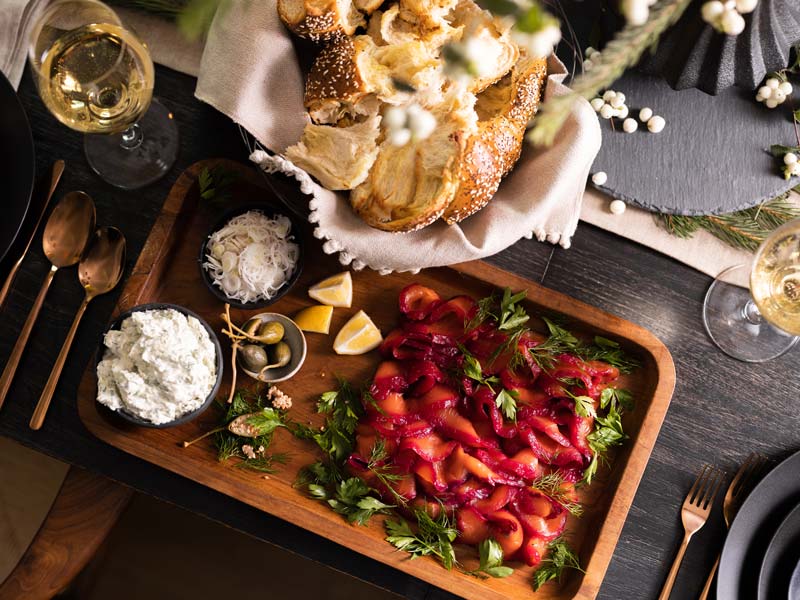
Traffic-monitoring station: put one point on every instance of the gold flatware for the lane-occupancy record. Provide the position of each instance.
(99, 272)
(694, 515)
(66, 235)
(741, 485)
(58, 169)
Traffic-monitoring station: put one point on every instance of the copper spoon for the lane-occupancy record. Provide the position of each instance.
(66, 235)
(99, 272)
(58, 169)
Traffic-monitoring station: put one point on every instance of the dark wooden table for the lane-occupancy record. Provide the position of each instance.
(722, 409)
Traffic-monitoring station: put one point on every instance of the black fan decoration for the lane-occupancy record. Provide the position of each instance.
(693, 55)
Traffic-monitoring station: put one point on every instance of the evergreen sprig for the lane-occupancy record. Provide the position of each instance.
(744, 229)
(618, 55)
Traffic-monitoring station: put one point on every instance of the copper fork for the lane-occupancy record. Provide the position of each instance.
(739, 488)
(694, 515)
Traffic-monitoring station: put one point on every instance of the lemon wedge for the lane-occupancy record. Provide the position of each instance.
(315, 319)
(359, 335)
(334, 291)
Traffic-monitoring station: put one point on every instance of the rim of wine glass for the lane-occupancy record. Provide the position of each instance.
(36, 61)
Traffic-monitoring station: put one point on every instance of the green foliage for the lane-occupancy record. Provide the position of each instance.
(433, 537)
(215, 184)
(355, 500)
(506, 401)
(491, 561)
(559, 558)
(264, 420)
(745, 229)
(551, 486)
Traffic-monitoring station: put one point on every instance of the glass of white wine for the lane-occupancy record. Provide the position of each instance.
(96, 76)
(764, 322)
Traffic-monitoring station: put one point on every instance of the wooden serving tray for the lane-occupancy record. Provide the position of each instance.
(167, 271)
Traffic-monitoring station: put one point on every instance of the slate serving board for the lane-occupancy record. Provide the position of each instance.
(711, 158)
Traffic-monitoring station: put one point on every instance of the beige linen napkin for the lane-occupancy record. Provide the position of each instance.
(250, 72)
(16, 17)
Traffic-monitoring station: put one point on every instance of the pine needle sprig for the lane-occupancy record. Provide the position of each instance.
(745, 229)
(618, 55)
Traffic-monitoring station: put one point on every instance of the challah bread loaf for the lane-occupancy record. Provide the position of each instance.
(503, 110)
(320, 20)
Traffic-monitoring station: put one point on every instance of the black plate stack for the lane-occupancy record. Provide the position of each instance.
(762, 551)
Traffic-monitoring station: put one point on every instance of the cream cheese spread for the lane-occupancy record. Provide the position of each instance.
(158, 366)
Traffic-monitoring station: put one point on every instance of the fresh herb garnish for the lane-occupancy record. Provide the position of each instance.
(552, 486)
(609, 351)
(472, 369)
(433, 536)
(215, 184)
(608, 430)
(354, 499)
(246, 431)
(491, 561)
(559, 557)
(506, 401)
(584, 406)
(506, 311)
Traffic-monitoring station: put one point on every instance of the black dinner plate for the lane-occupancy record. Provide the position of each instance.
(17, 164)
(752, 530)
(781, 557)
(794, 585)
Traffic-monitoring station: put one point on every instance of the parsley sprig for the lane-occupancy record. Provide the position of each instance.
(491, 561)
(559, 557)
(431, 536)
(608, 431)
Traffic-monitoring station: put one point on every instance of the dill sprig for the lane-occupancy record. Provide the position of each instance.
(559, 557)
(618, 55)
(552, 486)
(744, 229)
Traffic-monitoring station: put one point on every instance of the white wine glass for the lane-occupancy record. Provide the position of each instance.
(762, 322)
(96, 76)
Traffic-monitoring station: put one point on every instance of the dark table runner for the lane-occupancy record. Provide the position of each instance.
(722, 409)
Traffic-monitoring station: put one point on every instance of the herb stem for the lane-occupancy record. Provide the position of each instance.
(205, 435)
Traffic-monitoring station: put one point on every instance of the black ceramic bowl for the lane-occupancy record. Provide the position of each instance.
(271, 212)
(211, 396)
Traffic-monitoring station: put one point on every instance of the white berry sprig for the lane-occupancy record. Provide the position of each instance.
(791, 165)
(726, 17)
(775, 91)
(612, 104)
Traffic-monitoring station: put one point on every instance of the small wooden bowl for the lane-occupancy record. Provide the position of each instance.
(294, 337)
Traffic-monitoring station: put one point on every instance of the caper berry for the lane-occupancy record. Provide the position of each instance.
(254, 357)
(269, 333)
(280, 354)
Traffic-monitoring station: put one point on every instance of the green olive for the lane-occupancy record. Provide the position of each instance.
(254, 357)
(279, 354)
(269, 333)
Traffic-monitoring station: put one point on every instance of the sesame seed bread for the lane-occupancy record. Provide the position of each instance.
(503, 110)
(320, 20)
(480, 124)
(339, 157)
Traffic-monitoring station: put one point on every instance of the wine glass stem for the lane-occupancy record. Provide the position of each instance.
(751, 313)
(132, 137)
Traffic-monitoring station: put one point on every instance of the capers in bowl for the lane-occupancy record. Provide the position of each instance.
(272, 349)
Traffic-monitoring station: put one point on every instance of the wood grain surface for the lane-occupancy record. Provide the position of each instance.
(167, 271)
(85, 510)
(722, 409)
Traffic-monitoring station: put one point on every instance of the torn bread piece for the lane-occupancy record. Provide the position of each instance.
(410, 186)
(338, 157)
